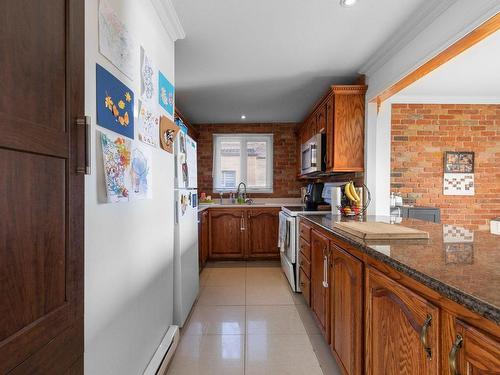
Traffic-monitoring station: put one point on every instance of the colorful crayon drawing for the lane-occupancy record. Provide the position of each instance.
(166, 94)
(141, 172)
(168, 132)
(115, 41)
(148, 124)
(115, 103)
(116, 158)
(148, 78)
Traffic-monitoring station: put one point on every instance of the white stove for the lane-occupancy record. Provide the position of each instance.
(289, 239)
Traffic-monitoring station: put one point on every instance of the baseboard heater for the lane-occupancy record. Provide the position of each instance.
(163, 355)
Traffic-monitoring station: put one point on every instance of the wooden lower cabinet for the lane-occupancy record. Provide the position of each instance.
(246, 233)
(226, 238)
(305, 286)
(261, 228)
(474, 352)
(320, 293)
(346, 306)
(401, 327)
(381, 322)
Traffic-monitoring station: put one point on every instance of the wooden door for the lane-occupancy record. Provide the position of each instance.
(41, 195)
(474, 352)
(401, 329)
(262, 233)
(226, 233)
(321, 119)
(346, 275)
(330, 142)
(320, 294)
(349, 132)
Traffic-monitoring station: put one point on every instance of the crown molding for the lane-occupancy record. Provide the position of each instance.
(413, 26)
(169, 19)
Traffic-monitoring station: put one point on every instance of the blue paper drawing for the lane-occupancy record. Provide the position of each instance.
(166, 93)
(141, 172)
(115, 103)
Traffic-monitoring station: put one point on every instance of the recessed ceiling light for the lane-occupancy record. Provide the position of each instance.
(243, 117)
(348, 3)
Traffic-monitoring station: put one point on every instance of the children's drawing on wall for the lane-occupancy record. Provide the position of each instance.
(166, 94)
(115, 41)
(147, 124)
(141, 172)
(183, 159)
(168, 132)
(115, 103)
(148, 78)
(116, 158)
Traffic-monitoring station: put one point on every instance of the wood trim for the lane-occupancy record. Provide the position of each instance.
(474, 37)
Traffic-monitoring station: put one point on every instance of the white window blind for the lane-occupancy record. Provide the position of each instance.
(244, 158)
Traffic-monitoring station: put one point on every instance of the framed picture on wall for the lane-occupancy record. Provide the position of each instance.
(458, 162)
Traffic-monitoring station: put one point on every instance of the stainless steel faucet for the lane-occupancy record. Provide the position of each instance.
(239, 194)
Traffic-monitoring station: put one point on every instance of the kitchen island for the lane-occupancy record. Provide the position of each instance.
(427, 306)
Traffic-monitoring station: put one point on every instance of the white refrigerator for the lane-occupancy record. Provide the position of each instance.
(186, 272)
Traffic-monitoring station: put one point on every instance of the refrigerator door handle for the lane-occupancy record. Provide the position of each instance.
(176, 213)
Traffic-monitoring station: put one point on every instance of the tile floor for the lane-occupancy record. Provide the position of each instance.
(247, 321)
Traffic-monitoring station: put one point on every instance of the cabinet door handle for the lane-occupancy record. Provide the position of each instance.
(325, 271)
(242, 226)
(452, 356)
(423, 336)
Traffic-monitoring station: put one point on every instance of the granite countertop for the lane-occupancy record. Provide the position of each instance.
(459, 264)
(264, 202)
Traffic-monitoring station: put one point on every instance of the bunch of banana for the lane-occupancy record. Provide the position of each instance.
(351, 193)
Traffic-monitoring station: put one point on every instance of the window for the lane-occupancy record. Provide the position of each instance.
(244, 158)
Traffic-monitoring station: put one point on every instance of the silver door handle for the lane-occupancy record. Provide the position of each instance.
(325, 271)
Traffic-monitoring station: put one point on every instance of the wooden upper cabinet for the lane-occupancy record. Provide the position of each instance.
(321, 119)
(226, 239)
(346, 306)
(329, 119)
(473, 352)
(346, 134)
(401, 328)
(262, 233)
(320, 292)
(341, 115)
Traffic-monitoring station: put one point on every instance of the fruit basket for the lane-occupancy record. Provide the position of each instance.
(354, 200)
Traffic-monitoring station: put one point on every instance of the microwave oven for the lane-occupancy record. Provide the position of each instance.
(313, 154)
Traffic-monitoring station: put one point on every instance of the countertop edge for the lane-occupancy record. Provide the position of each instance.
(472, 303)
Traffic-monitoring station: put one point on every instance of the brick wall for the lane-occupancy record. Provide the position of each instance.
(285, 168)
(420, 135)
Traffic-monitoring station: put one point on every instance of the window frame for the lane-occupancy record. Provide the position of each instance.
(244, 138)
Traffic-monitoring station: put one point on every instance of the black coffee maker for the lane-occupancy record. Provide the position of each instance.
(313, 197)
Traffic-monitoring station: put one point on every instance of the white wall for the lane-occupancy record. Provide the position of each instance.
(128, 246)
(378, 157)
(450, 25)
(460, 18)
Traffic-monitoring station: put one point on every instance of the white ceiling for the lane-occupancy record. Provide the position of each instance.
(475, 73)
(272, 59)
